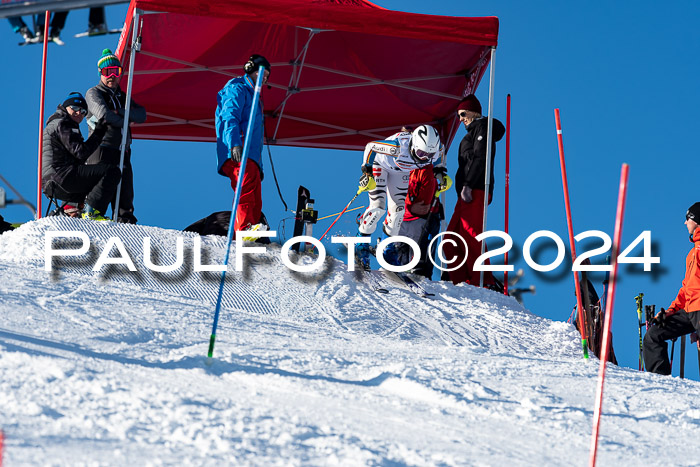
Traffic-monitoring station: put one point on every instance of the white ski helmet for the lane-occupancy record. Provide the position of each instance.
(425, 142)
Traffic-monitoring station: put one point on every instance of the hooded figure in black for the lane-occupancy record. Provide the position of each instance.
(467, 220)
(63, 159)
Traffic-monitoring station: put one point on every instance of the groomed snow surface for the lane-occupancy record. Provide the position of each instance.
(109, 368)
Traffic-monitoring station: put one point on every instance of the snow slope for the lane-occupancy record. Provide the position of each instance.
(108, 368)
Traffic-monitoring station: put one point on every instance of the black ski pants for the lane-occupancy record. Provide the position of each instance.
(111, 156)
(99, 181)
(655, 346)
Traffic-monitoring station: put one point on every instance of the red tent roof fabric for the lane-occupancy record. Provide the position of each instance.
(344, 72)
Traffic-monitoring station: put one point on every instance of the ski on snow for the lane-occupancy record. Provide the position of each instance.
(410, 284)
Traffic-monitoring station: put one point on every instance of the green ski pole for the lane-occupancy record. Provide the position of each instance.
(638, 299)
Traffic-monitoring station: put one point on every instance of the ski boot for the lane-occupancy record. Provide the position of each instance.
(362, 254)
(96, 30)
(26, 33)
(92, 214)
(253, 228)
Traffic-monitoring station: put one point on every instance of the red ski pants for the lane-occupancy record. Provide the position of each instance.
(467, 222)
(250, 202)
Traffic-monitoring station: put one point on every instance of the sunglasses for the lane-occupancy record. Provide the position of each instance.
(109, 71)
(462, 113)
(689, 216)
(77, 109)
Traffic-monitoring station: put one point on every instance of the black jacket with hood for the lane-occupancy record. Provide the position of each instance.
(63, 146)
(472, 155)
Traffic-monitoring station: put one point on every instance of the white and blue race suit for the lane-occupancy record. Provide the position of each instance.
(391, 164)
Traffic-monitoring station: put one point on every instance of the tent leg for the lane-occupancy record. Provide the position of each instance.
(135, 47)
(489, 139)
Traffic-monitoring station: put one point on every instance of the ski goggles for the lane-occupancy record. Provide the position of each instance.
(78, 110)
(422, 155)
(110, 71)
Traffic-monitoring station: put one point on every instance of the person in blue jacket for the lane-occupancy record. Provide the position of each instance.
(234, 105)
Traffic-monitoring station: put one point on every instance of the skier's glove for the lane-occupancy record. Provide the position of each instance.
(236, 154)
(659, 319)
(437, 170)
(444, 183)
(466, 194)
(366, 183)
(101, 125)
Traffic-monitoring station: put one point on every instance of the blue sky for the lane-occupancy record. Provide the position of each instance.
(623, 74)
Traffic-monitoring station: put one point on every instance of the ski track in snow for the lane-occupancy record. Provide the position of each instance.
(309, 369)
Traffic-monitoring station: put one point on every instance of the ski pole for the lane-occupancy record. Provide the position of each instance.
(341, 213)
(236, 199)
(638, 299)
(336, 213)
(673, 346)
(682, 370)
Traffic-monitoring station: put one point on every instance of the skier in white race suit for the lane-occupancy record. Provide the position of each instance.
(386, 167)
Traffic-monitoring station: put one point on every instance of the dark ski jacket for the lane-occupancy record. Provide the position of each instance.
(63, 146)
(472, 155)
(688, 297)
(103, 102)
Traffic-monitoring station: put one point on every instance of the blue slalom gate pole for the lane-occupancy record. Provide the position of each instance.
(234, 209)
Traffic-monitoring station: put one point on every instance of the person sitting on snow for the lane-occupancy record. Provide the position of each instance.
(64, 153)
(234, 105)
(386, 166)
(683, 315)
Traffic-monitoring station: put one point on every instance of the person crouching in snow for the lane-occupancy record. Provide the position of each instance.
(386, 166)
(421, 220)
(468, 217)
(683, 315)
(64, 153)
(233, 109)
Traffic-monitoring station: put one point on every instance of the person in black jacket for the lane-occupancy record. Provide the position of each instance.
(467, 220)
(64, 153)
(106, 100)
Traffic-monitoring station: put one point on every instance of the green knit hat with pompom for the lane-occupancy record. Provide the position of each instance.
(107, 59)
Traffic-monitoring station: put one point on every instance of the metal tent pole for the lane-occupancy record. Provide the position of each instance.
(135, 47)
(489, 140)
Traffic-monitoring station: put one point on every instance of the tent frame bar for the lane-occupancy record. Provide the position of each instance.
(137, 23)
(295, 71)
(489, 142)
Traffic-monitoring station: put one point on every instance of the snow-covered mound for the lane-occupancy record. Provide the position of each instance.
(108, 368)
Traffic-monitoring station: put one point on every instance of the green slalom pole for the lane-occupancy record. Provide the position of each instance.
(234, 209)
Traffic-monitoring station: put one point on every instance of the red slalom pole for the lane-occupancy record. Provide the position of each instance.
(569, 222)
(622, 196)
(41, 113)
(339, 215)
(507, 185)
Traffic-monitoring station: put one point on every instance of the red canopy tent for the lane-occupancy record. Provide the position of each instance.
(344, 72)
